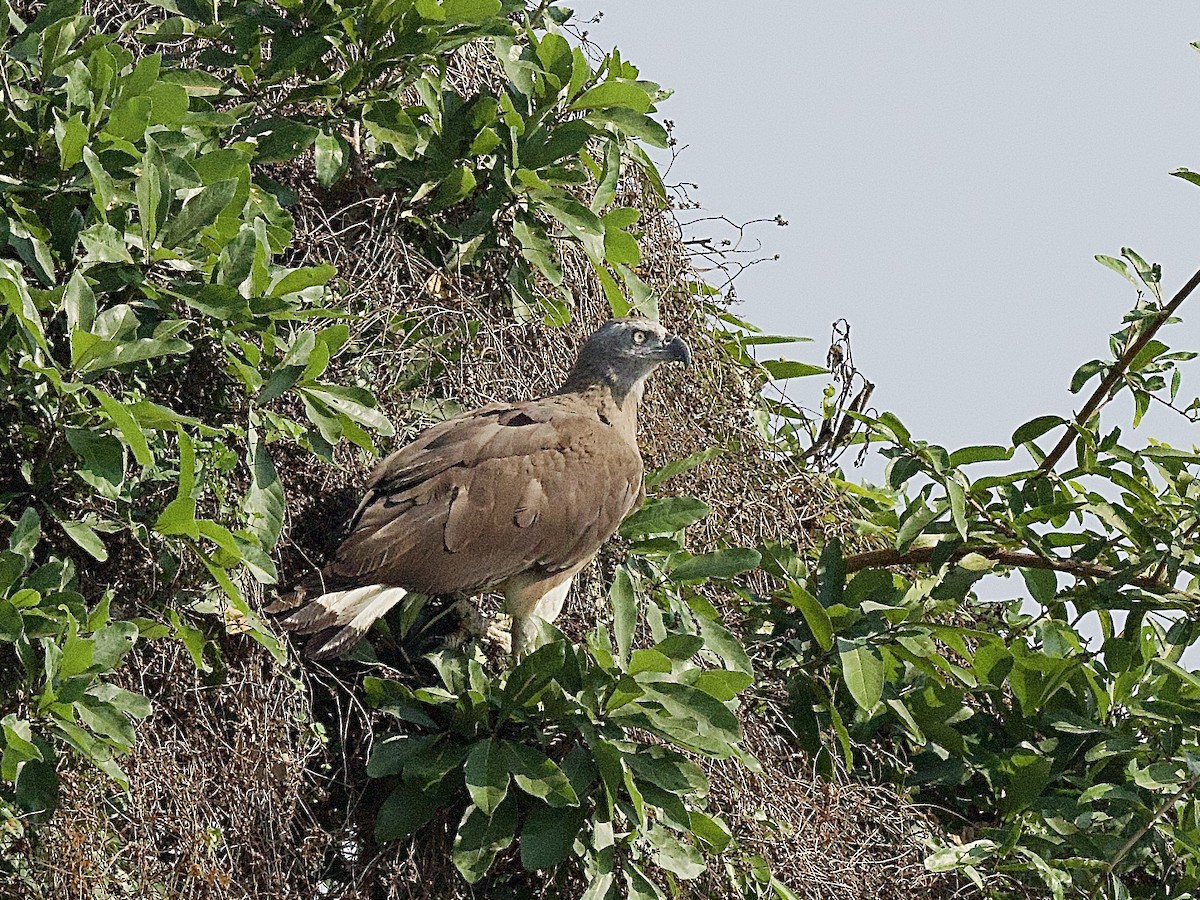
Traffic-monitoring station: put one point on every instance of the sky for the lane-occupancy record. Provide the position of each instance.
(948, 172)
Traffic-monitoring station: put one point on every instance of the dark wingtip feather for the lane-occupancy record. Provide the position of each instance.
(309, 619)
(286, 601)
(333, 642)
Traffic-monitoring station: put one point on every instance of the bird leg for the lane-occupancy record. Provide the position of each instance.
(528, 617)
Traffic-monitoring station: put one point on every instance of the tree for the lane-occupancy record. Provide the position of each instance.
(179, 357)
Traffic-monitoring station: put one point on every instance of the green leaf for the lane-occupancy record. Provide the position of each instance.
(112, 643)
(406, 809)
(862, 671)
(643, 660)
(332, 157)
(126, 426)
(713, 832)
(548, 835)
(486, 773)
(1186, 175)
(458, 12)
(168, 103)
(620, 247)
(978, 454)
(674, 854)
(26, 534)
(193, 640)
(691, 717)
(282, 140)
(539, 149)
(723, 684)
(1147, 355)
(389, 756)
(1085, 373)
(102, 459)
(455, 187)
(335, 399)
(80, 304)
(1042, 584)
(128, 120)
(110, 354)
(303, 278)
(627, 94)
(780, 369)
(554, 53)
(722, 642)
(679, 646)
(679, 466)
(1023, 777)
(71, 141)
(635, 124)
(537, 249)
(480, 837)
(583, 224)
(264, 506)
(102, 183)
(532, 674)
(623, 600)
(200, 211)
(154, 195)
(538, 775)
(83, 535)
(1117, 265)
(104, 244)
(958, 506)
(107, 720)
(12, 625)
(814, 614)
(36, 789)
(639, 886)
(664, 516)
(1035, 428)
(727, 563)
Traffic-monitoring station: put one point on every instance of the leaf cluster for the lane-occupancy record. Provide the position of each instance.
(1061, 719)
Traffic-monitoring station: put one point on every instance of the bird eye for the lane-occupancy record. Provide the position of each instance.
(639, 337)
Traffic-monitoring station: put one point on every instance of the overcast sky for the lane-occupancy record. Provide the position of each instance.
(949, 171)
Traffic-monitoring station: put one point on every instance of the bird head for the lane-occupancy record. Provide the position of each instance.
(623, 352)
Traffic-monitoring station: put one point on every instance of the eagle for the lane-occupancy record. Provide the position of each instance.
(512, 497)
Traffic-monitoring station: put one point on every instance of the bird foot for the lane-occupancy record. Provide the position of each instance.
(495, 630)
(499, 633)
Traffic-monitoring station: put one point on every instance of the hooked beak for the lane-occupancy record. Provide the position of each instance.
(676, 350)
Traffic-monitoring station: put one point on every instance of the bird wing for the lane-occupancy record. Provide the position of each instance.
(504, 490)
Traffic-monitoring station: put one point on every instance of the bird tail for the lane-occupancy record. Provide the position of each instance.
(337, 620)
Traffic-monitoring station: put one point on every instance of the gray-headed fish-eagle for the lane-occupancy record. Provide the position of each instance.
(512, 497)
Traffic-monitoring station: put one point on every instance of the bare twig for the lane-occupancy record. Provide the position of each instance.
(1116, 373)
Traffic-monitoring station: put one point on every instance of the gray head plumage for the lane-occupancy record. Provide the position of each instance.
(622, 353)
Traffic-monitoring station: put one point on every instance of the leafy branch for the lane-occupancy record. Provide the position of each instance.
(1117, 372)
(891, 557)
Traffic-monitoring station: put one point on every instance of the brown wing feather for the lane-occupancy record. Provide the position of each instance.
(496, 493)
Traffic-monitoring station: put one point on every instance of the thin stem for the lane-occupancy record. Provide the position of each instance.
(923, 555)
(1116, 373)
(1165, 808)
